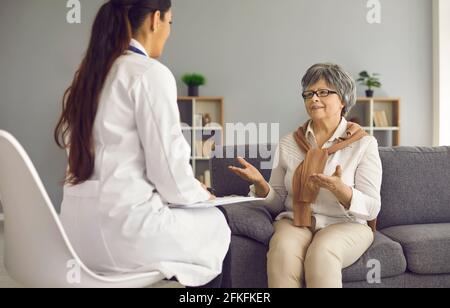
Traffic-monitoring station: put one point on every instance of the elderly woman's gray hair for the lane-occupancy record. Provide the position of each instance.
(336, 78)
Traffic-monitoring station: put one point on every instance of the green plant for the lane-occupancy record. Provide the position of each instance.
(368, 80)
(194, 79)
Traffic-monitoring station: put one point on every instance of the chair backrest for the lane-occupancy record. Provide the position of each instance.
(37, 250)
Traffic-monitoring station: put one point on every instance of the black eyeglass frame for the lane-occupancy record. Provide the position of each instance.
(329, 92)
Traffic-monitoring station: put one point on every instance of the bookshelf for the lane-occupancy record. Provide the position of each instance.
(202, 123)
(380, 117)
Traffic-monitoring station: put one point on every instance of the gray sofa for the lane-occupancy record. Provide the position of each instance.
(413, 239)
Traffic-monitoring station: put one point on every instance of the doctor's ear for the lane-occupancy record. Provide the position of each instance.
(155, 21)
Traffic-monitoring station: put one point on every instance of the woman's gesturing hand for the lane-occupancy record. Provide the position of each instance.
(335, 185)
(250, 174)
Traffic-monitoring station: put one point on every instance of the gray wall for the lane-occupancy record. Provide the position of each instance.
(253, 53)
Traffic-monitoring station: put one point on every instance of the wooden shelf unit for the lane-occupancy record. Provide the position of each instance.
(198, 136)
(367, 111)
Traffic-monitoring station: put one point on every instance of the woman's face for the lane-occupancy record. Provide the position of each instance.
(326, 107)
(161, 34)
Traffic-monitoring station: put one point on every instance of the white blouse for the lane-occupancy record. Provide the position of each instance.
(361, 170)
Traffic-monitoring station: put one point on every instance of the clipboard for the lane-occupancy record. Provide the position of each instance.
(217, 202)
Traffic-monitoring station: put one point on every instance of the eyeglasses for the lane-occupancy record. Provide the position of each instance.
(319, 93)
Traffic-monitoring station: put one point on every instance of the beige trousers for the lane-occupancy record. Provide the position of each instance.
(296, 255)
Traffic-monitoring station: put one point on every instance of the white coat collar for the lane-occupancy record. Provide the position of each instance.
(139, 46)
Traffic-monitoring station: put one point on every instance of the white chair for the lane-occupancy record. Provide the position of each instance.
(37, 250)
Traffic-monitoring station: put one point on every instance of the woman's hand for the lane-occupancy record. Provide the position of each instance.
(250, 174)
(335, 185)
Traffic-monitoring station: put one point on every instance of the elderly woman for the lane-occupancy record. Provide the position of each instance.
(326, 183)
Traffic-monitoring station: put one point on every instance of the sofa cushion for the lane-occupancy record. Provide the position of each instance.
(250, 220)
(415, 186)
(383, 249)
(426, 247)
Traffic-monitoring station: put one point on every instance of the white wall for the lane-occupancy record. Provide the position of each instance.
(441, 53)
(254, 53)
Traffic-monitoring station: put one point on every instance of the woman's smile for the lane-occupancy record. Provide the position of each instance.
(317, 107)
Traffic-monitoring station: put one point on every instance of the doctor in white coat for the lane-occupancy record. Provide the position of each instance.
(128, 158)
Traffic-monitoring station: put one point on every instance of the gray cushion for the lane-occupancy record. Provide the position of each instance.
(415, 187)
(383, 249)
(427, 247)
(250, 220)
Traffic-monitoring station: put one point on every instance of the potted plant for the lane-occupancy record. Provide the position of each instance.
(370, 81)
(193, 81)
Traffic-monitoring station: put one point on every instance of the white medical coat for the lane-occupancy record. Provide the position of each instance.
(119, 220)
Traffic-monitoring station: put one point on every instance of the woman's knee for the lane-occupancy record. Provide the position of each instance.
(322, 256)
(284, 269)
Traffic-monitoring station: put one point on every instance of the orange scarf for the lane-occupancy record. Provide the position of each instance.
(305, 192)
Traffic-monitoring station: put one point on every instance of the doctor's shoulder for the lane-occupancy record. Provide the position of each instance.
(157, 73)
(142, 67)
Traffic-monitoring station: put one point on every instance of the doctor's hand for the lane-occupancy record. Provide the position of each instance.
(211, 196)
(335, 185)
(250, 174)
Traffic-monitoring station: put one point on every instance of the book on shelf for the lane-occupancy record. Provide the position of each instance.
(384, 119)
(198, 153)
(198, 120)
(380, 119)
(376, 119)
(201, 179)
(207, 177)
(208, 147)
(204, 149)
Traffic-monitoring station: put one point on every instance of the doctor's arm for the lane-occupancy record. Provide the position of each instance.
(167, 153)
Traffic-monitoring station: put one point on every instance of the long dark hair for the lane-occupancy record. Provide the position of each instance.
(112, 31)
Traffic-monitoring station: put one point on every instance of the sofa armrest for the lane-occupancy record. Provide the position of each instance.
(250, 220)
